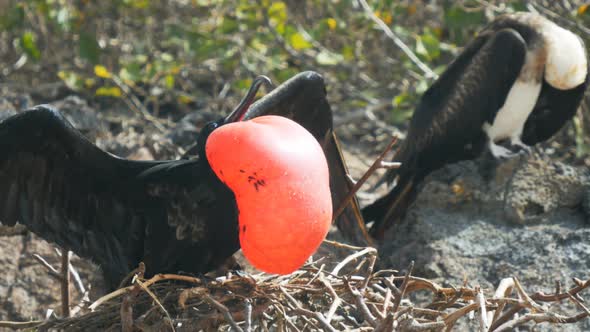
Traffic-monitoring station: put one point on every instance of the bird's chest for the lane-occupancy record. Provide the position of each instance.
(511, 117)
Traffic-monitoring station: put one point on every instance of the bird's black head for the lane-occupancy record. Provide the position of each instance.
(238, 114)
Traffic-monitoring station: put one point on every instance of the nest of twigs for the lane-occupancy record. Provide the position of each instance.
(348, 295)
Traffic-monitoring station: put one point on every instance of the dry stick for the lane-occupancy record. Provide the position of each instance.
(368, 250)
(289, 297)
(74, 274)
(507, 316)
(50, 269)
(160, 277)
(21, 325)
(363, 179)
(526, 297)
(372, 261)
(540, 296)
(126, 312)
(392, 287)
(386, 324)
(343, 245)
(417, 283)
(316, 275)
(398, 299)
(248, 314)
(336, 299)
(484, 324)
(81, 304)
(65, 283)
(360, 302)
(224, 311)
(504, 289)
(415, 326)
(579, 304)
(427, 71)
(298, 309)
(109, 296)
(155, 298)
(317, 316)
(387, 300)
(541, 318)
(451, 318)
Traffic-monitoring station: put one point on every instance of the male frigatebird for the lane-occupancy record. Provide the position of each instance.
(173, 215)
(520, 80)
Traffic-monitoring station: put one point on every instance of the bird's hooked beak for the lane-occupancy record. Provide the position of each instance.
(242, 109)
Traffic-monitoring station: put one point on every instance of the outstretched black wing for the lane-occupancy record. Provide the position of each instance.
(64, 188)
(303, 99)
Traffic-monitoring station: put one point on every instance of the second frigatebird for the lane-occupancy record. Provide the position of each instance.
(520, 80)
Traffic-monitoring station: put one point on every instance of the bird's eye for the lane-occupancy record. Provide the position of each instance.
(211, 126)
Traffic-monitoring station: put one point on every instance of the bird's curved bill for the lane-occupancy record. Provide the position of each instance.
(240, 111)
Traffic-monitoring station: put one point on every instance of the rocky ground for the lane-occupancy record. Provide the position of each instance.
(474, 222)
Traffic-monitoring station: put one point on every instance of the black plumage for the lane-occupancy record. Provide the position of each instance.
(173, 215)
(461, 113)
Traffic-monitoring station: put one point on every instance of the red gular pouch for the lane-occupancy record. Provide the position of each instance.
(279, 176)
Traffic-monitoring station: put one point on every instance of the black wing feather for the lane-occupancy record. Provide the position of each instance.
(553, 109)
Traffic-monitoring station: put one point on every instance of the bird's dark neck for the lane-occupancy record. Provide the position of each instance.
(204, 135)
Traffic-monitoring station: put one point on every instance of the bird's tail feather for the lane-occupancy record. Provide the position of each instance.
(390, 208)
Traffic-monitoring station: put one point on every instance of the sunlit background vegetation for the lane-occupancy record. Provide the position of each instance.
(189, 55)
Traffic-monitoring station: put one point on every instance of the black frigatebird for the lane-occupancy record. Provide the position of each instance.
(520, 80)
(173, 215)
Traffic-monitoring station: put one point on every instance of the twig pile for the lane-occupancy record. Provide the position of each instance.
(343, 297)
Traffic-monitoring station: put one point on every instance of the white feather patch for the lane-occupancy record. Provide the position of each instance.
(566, 65)
(510, 119)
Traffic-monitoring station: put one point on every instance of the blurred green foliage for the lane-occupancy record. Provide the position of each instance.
(187, 51)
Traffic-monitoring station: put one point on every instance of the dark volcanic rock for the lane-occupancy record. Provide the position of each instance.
(483, 223)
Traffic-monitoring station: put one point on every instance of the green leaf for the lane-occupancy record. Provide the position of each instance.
(13, 18)
(102, 71)
(27, 42)
(277, 13)
(432, 45)
(139, 4)
(229, 25)
(348, 52)
(400, 99)
(169, 81)
(421, 49)
(88, 47)
(131, 72)
(428, 46)
(298, 42)
(458, 18)
(108, 91)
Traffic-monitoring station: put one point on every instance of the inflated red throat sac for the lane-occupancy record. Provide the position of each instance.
(279, 176)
